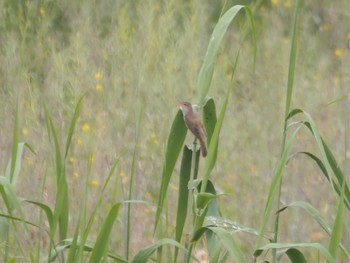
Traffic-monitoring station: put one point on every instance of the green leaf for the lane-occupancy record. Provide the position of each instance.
(207, 69)
(214, 141)
(230, 244)
(292, 60)
(274, 186)
(209, 118)
(143, 255)
(9, 195)
(176, 139)
(295, 255)
(185, 172)
(101, 245)
(316, 216)
(337, 231)
(283, 246)
(72, 125)
(226, 239)
(203, 200)
(14, 163)
(46, 209)
(87, 247)
(4, 228)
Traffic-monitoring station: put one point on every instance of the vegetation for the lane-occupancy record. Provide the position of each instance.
(97, 162)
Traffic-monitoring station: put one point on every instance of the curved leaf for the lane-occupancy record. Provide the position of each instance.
(143, 255)
(207, 69)
(101, 245)
(176, 139)
(295, 255)
(317, 246)
(226, 239)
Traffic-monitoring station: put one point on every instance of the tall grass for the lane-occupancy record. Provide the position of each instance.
(93, 225)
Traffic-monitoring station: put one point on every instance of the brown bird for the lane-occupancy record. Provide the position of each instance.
(194, 124)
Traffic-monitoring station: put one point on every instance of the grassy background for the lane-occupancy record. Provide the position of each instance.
(141, 57)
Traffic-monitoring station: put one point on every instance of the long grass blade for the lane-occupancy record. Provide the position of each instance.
(312, 211)
(143, 255)
(274, 187)
(207, 69)
(72, 125)
(185, 172)
(337, 230)
(15, 147)
(214, 141)
(101, 246)
(284, 246)
(176, 139)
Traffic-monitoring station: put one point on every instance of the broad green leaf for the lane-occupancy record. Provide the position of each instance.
(209, 210)
(209, 121)
(226, 239)
(185, 173)
(176, 139)
(284, 246)
(207, 69)
(143, 255)
(203, 200)
(101, 246)
(214, 141)
(295, 255)
(209, 118)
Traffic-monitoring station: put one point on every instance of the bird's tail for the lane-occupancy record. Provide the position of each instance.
(203, 148)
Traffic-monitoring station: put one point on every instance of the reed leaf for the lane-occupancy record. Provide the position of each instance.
(286, 246)
(207, 69)
(143, 255)
(176, 139)
(100, 248)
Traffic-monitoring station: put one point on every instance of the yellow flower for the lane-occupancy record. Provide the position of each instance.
(288, 4)
(98, 76)
(86, 128)
(339, 52)
(92, 159)
(99, 87)
(76, 174)
(124, 177)
(79, 141)
(42, 11)
(94, 183)
(326, 26)
(153, 138)
(275, 2)
(71, 159)
(25, 131)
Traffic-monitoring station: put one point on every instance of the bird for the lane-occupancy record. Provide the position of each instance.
(194, 124)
